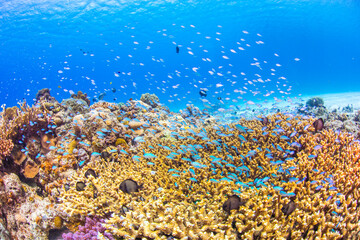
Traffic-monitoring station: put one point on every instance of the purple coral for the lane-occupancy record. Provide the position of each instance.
(89, 231)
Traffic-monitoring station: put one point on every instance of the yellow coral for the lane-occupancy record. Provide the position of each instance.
(261, 168)
(58, 222)
(72, 146)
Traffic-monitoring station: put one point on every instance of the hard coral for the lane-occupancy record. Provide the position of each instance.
(150, 99)
(44, 95)
(91, 230)
(315, 102)
(77, 106)
(82, 96)
(6, 146)
(293, 182)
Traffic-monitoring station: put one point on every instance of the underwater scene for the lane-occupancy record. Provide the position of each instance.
(168, 119)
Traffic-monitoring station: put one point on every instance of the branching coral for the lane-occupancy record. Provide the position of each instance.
(294, 183)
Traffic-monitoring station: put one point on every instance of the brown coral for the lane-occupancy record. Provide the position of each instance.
(31, 169)
(82, 96)
(6, 146)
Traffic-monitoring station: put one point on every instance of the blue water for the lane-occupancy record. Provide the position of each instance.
(82, 45)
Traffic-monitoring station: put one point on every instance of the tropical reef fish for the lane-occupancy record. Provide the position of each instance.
(203, 93)
(318, 124)
(129, 186)
(233, 203)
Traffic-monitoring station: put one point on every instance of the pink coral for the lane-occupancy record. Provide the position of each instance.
(89, 231)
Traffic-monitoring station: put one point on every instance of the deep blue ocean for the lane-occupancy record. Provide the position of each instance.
(236, 51)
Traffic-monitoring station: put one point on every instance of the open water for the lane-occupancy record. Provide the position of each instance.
(236, 51)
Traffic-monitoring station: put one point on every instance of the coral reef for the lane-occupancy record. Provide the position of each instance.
(27, 215)
(150, 99)
(6, 147)
(77, 106)
(315, 102)
(186, 184)
(44, 95)
(82, 96)
(133, 171)
(91, 230)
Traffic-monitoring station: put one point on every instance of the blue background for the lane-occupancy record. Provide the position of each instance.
(39, 38)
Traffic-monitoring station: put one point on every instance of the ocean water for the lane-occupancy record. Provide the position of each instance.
(238, 51)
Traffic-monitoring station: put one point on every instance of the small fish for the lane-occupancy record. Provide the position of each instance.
(139, 139)
(122, 151)
(213, 180)
(149, 155)
(129, 186)
(193, 179)
(289, 208)
(233, 203)
(317, 147)
(203, 93)
(80, 186)
(90, 172)
(318, 124)
(277, 188)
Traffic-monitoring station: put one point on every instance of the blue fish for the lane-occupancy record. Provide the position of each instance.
(136, 158)
(139, 139)
(149, 155)
(240, 128)
(242, 137)
(193, 179)
(284, 138)
(122, 151)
